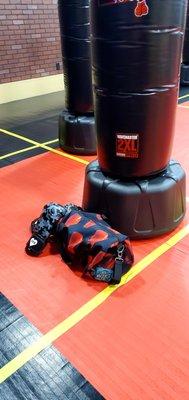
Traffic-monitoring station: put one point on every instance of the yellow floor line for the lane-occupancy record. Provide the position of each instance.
(51, 141)
(26, 149)
(43, 146)
(15, 364)
(14, 153)
(184, 97)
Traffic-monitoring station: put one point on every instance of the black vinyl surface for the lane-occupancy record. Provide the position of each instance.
(24, 111)
(37, 119)
(136, 57)
(11, 144)
(76, 55)
(48, 376)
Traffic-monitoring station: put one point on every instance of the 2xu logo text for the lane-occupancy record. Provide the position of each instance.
(127, 146)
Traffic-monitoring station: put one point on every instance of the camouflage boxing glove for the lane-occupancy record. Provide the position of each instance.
(44, 228)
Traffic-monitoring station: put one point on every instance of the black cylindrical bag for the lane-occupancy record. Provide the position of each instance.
(136, 48)
(75, 41)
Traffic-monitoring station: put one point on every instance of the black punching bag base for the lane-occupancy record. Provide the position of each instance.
(184, 77)
(77, 134)
(141, 208)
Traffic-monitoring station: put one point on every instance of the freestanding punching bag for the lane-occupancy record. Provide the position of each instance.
(185, 58)
(76, 123)
(136, 51)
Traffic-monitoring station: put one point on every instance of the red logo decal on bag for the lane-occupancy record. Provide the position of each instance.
(127, 146)
(141, 8)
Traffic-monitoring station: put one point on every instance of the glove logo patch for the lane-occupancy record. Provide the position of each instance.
(33, 242)
(141, 8)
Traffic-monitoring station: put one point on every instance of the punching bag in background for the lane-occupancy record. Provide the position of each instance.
(76, 123)
(136, 52)
(185, 58)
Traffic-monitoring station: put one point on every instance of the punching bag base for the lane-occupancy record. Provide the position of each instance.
(77, 134)
(184, 78)
(142, 208)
